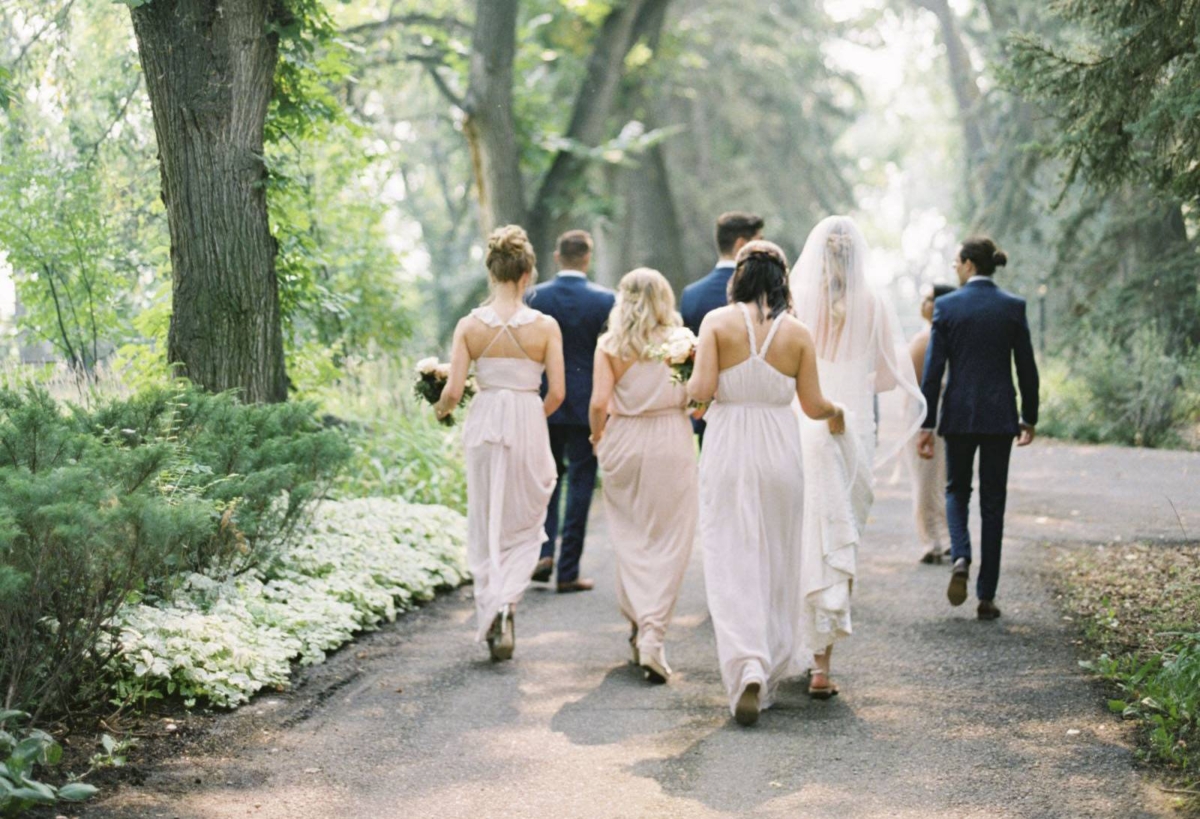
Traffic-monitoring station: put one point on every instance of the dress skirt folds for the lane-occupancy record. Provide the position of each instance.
(650, 476)
(510, 475)
(751, 518)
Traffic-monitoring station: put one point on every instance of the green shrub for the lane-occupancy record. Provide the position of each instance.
(97, 505)
(1163, 693)
(1132, 392)
(20, 753)
(400, 449)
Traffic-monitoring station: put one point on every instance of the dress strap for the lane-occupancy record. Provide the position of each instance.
(505, 329)
(771, 334)
(749, 329)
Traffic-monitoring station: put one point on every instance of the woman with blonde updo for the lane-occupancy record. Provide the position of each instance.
(510, 470)
(643, 439)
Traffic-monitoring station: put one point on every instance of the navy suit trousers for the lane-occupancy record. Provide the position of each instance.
(575, 460)
(994, 452)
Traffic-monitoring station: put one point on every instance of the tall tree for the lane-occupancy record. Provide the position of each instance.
(210, 68)
(490, 123)
(1124, 87)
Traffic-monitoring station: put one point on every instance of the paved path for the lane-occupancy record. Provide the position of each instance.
(940, 715)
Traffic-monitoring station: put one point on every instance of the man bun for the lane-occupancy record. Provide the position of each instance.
(982, 251)
(509, 254)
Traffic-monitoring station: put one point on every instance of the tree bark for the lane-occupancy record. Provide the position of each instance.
(651, 236)
(490, 126)
(966, 92)
(551, 211)
(209, 68)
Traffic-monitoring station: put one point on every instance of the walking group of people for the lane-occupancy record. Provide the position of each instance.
(782, 397)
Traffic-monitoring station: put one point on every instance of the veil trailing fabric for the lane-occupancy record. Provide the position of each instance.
(861, 350)
(860, 353)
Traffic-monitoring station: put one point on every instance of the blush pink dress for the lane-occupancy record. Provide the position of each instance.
(510, 472)
(650, 497)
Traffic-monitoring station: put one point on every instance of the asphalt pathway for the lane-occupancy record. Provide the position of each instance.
(940, 715)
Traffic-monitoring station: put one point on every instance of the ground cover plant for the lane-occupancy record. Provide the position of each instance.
(128, 498)
(1139, 607)
(358, 564)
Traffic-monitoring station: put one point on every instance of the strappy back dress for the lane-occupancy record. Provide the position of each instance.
(751, 519)
(510, 471)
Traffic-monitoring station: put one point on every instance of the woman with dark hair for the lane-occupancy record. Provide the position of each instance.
(752, 361)
(928, 477)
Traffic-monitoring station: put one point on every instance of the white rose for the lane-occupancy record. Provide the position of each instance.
(426, 366)
(680, 344)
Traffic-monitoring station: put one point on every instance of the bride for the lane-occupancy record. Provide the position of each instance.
(860, 353)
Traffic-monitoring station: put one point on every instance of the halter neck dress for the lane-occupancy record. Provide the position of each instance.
(751, 517)
(510, 471)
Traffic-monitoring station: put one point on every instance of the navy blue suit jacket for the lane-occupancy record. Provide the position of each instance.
(581, 309)
(703, 296)
(980, 330)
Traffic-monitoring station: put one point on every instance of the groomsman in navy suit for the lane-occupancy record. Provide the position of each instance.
(979, 331)
(701, 297)
(581, 309)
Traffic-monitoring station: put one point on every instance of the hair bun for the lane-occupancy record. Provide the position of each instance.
(507, 241)
(1000, 258)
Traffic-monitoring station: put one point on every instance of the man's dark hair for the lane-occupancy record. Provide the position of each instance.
(736, 225)
(983, 252)
(573, 246)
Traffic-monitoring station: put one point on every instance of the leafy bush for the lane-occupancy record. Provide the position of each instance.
(1163, 692)
(399, 447)
(19, 754)
(95, 505)
(360, 563)
(1131, 392)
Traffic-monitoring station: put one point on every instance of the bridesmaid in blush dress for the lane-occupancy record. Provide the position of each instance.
(643, 438)
(510, 470)
(754, 358)
(928, 477)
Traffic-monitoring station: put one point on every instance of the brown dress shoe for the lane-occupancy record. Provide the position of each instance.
(933, 557)
(578, 584)
(957, 591)
(987, 610)
(543, 570)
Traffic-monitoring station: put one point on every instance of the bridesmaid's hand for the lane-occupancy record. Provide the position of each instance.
(837, 424)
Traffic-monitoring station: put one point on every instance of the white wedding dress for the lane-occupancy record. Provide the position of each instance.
(751, 488)
(860, 352)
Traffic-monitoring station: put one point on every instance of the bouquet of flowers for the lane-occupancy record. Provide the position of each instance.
(432, 376)
(679, 353)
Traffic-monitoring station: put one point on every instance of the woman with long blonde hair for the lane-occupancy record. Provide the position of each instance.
(510, 470)
(859, 354)
(643, 439)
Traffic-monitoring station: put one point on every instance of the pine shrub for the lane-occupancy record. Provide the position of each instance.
(98, 506)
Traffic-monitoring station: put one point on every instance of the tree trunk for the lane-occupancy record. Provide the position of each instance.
(966, 92)
(209, 68)
(552, 211)
(490, 126)
(651, 236)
